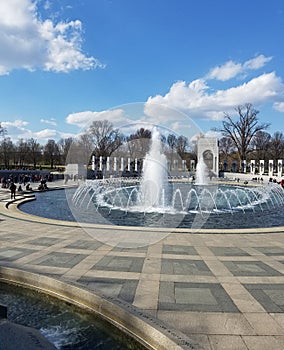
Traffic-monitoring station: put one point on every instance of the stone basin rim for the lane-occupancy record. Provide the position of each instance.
(12, 210)
(148, 331)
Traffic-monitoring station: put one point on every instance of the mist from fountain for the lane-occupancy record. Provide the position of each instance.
(154, 186)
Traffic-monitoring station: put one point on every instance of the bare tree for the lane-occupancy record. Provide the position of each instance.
(51, 152)
(276, 146)
(243, 130)
(226, 146)
(138, 143)
(64, 146)
(6, 150)
(260, 144)
(80, 150)
(105, 138)
(181, 146)
(172, 143)
(3, 131)
(22, 150)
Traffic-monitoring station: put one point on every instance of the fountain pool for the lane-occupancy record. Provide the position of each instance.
(66, 326)
(102, 202)
(156, 201)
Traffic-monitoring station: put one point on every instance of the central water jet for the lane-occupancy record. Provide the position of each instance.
(154, 184)
(201, 172)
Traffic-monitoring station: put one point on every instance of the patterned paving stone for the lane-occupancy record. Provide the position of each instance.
(134, 249)
(184, 267)
(228, 251)
(45, 241)
(250, 268)
(56, 259)
(118, 263)
(113, 287)
(179, 249)
(183, 296)
(11, 254)
(85, 244)
(13, 237)
(270, 296)
(270, 251)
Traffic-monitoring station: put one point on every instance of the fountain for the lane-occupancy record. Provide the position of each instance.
(201, 172)
(154, 184)
(159, 202)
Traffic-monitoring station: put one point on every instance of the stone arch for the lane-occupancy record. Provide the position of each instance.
(208, 148)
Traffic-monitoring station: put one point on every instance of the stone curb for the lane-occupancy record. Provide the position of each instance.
(150, 332)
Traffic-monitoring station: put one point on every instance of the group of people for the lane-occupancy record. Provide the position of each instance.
(13, 187)
(257, 179)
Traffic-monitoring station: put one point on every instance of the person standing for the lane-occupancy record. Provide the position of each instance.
(13, 188)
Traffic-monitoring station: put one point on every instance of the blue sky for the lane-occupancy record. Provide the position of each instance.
(176, 63)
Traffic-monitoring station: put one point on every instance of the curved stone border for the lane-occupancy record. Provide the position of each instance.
(15, 212)
(147, 330)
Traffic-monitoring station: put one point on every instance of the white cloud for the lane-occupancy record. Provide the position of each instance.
(259, 90)
(83, 119)
(185, 103)
(198, 101)
(49, 121)
(279, 106)
(225, 72)
(231, 69)
(257, 62)
(16, 123)
(46, 134)
(28, 42)
(18, 129)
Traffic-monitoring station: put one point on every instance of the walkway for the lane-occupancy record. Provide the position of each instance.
(222, 290)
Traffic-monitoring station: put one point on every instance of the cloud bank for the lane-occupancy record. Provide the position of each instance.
(200, 100)
(28, 42)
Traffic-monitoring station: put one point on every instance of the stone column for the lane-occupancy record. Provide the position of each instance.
(244, 166)
(279, 168)
(270, 168)
(114, 164)
(136, 165)
(252, 166)
(121, 164)
(261, 167)
(93, 163)
(128, 164)
(108, 164)
(101, 163)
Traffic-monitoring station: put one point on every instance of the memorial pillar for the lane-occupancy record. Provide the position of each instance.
(93, 163)
(252, 166)
(279, 168)
(114, 164)
(270, 168)
(261, 167)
